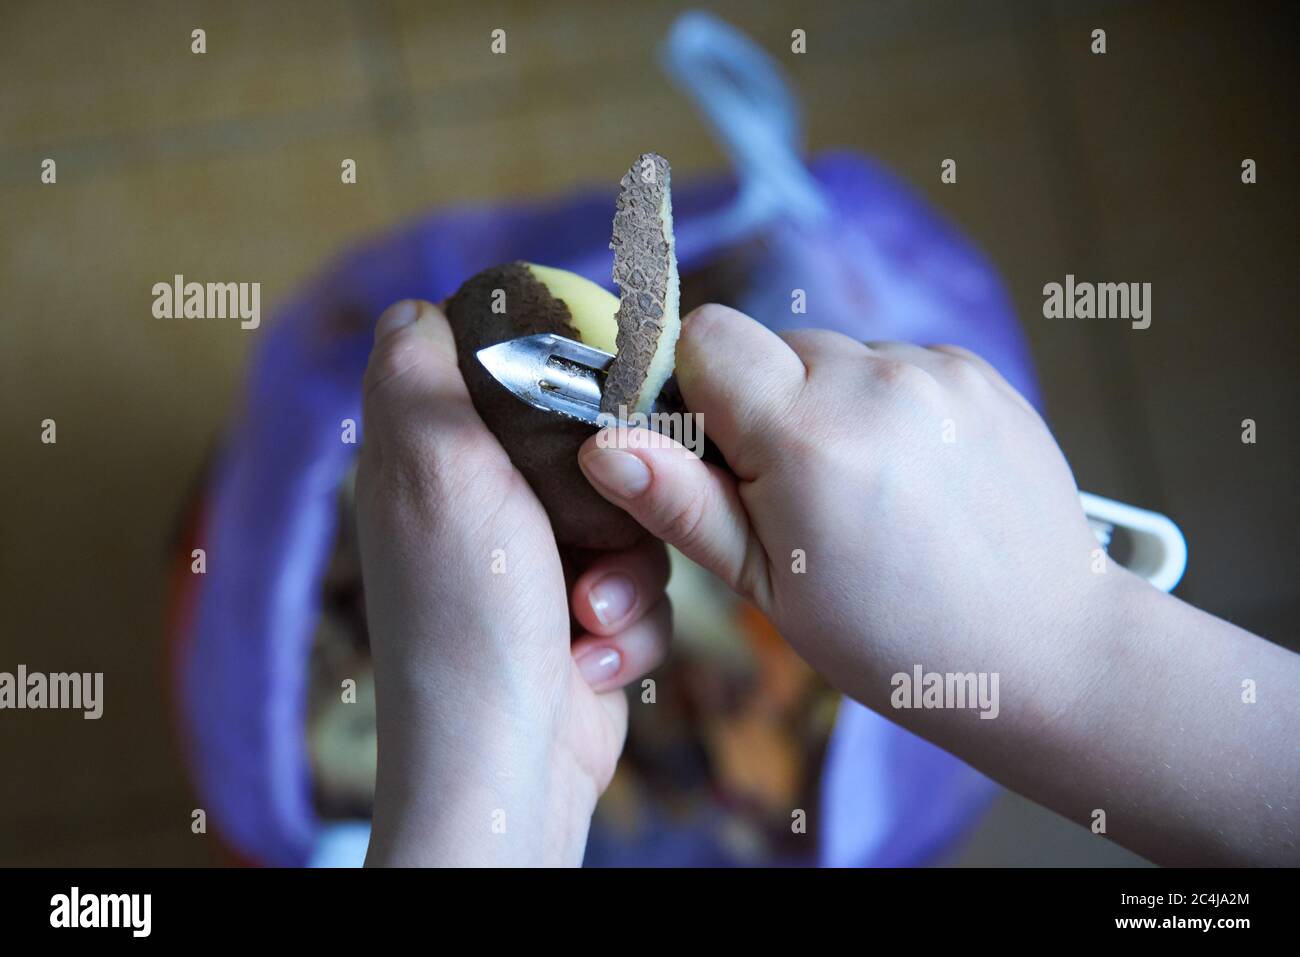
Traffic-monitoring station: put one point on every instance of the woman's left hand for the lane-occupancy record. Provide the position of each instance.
(497, 732)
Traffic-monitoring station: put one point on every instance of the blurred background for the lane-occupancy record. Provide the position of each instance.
(1122, 167)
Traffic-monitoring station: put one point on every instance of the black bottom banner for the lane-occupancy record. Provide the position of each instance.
(333, 907)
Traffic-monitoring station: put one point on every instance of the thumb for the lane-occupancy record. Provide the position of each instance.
(416, 403)
(742, 380)
(689, 504)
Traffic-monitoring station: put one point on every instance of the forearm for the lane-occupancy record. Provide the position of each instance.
(1189, 740)
(1148, 720)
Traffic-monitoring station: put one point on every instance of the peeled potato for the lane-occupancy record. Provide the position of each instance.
(640, 327)
(591, 309)
(543, 446)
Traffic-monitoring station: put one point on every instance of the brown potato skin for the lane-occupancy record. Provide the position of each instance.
(543, 446)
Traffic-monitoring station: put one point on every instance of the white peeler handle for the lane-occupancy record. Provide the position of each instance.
(1159, 551)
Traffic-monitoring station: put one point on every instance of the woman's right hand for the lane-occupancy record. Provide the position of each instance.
(896, 506)
(901, 508)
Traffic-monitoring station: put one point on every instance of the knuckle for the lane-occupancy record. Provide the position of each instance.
(897, 375)
(706, 318)
(390, 360)
(701, 329)
(682, 523)
(411, 474)
(421, 471)
(960, 352)
(825, 341)
(905, 387)
(961, 372)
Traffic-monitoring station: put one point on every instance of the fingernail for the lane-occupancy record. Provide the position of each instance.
(599, 665)
(397, 316)
(612, 598)
(620, 473)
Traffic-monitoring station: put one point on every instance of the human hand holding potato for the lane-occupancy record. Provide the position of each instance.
(496, 733)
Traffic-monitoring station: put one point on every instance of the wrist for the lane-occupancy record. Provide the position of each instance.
(469, 783)
(1106, 639)
(483, 821)
(1059, 670)
(1080, 681)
